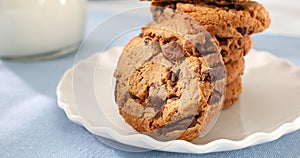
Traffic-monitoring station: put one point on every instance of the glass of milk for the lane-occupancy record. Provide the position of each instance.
(40, 29)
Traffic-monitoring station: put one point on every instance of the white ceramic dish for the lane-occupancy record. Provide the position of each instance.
(269, 106)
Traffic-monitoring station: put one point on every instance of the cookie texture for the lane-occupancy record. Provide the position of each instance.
(233, 49)
(222, 20)
(166, 87)
(234, 70)
(233, 92)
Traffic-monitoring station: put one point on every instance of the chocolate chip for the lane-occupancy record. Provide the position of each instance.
(198, 46)
(217, 73)
(156, 102)
(215, 97)
(213, 74)
(222, 41)
(174, 77)
(173, 84)
(171, 5)
(223, 53)
(205, 76)
(193, 123)
(147, 41)
(180, 125)
(158, 114)
(187, 45)
(201, 38)
(251, 32)
(156, 97)
(242, 31)
(206, 48)
(205, 53)
(173, 52)
(173, 97)
(141, 34)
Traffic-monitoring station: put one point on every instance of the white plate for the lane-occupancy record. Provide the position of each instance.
(269, 106)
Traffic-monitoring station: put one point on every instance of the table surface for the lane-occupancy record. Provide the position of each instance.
(32, 125)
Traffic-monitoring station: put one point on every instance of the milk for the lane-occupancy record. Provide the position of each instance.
(37, 27)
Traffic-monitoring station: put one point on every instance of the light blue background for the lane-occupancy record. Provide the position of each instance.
(32, 125)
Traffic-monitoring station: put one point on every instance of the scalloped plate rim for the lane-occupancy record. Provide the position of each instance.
(213, 146)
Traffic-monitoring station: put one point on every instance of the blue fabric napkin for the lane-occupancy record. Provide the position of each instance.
(32, 125)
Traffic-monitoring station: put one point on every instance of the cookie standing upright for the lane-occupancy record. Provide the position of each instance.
(170, 81)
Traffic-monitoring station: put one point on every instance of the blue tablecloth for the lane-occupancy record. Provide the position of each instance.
(32, 125)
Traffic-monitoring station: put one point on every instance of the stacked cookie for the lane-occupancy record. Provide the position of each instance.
(231, 22)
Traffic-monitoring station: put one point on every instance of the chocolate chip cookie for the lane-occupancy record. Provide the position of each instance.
(170, 81)
(222, 20)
